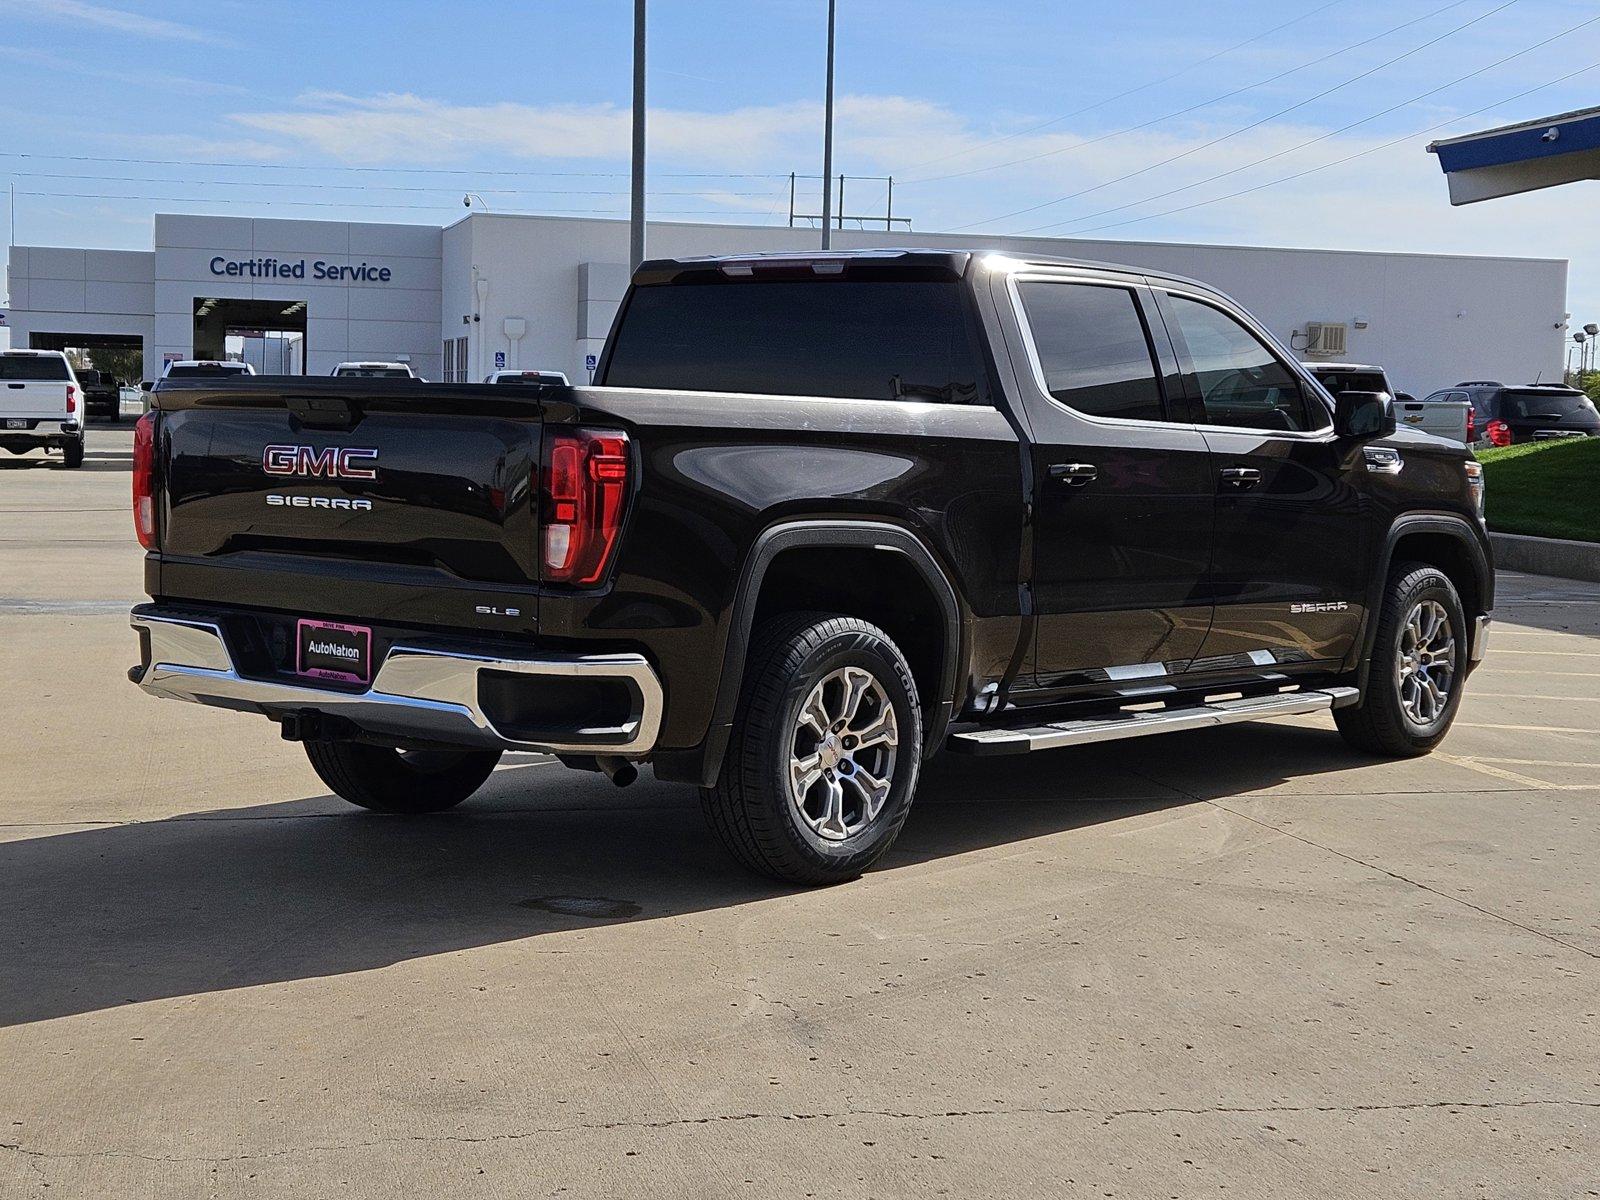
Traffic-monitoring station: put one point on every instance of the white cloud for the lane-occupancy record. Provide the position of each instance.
(117, 19)
(144, 77)
(1391, 198)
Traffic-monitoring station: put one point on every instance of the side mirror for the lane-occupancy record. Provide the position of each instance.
(1405, 397)
(145, 385)
(1363, 415)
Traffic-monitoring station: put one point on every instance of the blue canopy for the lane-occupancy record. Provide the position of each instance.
(1521, 158)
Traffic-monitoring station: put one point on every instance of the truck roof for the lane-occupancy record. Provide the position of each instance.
(956, 262)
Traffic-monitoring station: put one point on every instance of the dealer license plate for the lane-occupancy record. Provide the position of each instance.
(327, 650)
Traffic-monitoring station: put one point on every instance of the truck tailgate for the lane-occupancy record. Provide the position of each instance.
(34, 398)
(345, 498)
(1444, 418)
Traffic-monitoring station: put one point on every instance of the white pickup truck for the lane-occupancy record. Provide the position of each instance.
(1444, 418)
(41, 404)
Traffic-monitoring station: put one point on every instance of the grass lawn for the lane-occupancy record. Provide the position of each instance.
(1547, 489)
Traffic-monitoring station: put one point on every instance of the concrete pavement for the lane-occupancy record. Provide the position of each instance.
(1247, 962)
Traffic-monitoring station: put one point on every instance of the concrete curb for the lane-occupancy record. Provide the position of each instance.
(1547, 556)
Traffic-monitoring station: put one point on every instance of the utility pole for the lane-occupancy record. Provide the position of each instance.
(636, 214)
(827, 142)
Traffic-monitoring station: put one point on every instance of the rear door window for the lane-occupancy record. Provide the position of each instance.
(1093, 349)
(853, 338)
(1242, 383)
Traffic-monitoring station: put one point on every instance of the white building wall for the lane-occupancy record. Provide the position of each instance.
(59, 290)
(1432, 320)
(344, 319)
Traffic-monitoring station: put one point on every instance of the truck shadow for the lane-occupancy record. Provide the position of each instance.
(233, 898)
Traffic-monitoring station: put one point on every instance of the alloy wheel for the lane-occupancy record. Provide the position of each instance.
(1425, 662)
(842, 753)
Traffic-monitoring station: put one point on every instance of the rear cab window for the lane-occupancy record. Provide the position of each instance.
(867, 335)
(33, 367)
(206, 371)
(1337, 382)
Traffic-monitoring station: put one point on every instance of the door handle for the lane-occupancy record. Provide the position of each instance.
(1242, 478)
(1074, 474)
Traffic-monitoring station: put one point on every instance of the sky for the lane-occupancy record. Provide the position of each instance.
(1298, 123)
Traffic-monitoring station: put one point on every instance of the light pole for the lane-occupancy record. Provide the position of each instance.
(636, 208)
(1593, 330)
(827, 142)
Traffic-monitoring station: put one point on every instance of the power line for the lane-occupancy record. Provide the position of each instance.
(1233, 133)
(729, 212)
(1339, 162)
(1133, 91)
(1320, 137)
(1191, 108)
(364, 187)
(470, 171)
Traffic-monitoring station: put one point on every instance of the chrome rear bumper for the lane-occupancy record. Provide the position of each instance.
(423, 693)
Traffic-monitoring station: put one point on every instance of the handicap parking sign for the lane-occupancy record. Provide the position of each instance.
(590, 362)
(499, 360)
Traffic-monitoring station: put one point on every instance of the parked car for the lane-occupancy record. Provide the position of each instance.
(557, 377)
(374, 370)
(1044, 504)
(1504, 415)
(41, 404)
(205, 368)
(1437, 415)
(99, 393)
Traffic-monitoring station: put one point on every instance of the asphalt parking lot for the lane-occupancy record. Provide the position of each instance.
(1247, 962)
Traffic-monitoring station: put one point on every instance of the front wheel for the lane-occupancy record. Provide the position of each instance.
(1414, 679)
(400, 781)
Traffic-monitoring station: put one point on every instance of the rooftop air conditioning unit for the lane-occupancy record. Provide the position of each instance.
(1323, 337)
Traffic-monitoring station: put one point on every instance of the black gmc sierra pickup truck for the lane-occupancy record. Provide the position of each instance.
(820, 516)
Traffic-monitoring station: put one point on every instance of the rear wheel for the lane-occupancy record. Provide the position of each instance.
(400, 781)
(1415, 676)
(825, 752)
(72, 454)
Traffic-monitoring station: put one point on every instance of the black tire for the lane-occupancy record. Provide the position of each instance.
(1380, 724)
(72, 454)
(751, 809)
(392, 781)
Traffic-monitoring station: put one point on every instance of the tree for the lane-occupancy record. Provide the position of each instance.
(122, 362)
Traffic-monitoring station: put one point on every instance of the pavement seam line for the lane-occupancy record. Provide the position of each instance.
(1106, 1114)
(1371, 866)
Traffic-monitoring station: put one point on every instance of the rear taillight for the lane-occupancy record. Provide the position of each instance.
(1498, 433)
(144, 480)
(72, 399)
(1472, 426)
(585, 491)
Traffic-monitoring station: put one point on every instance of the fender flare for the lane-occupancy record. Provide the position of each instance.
(832, 534)
(1454, 527)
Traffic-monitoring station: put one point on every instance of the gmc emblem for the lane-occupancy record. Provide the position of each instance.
(331, 462)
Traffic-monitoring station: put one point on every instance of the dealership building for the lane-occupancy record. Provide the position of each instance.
(532, 291)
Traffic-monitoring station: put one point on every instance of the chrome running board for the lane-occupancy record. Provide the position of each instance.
(1022, 739)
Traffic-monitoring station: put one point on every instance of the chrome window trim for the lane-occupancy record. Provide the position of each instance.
(1033, 273)
(1128, 283)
